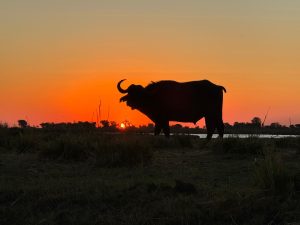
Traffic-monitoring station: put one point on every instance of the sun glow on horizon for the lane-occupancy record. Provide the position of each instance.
(59, 59)
(122, 126)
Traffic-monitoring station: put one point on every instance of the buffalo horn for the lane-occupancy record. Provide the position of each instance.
(121, 89)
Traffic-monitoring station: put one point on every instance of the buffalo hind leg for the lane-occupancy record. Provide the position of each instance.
(157, 129)
(210, 126)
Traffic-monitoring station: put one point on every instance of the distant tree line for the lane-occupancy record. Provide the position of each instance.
(256, 126)
(63, 126)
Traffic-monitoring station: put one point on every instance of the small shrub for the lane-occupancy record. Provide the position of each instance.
(238, 145)
(271, 175)
(186, 141)
(185, 187)
(174, 141)
(161, 142)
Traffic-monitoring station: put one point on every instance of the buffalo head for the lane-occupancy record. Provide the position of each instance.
(135, 95)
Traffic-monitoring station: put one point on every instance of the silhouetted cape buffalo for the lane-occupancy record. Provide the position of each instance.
(167, 100)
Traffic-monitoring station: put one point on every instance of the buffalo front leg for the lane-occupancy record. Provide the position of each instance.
(166, 129)
(220, 128)
(210, 126)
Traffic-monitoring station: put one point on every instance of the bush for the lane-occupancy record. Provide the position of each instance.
(174, 141)
(106, 150)
(64, 148)
(20, 140)
(125, 151)
(298, 144)
(286, 142)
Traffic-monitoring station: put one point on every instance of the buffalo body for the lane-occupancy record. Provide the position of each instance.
(167, 100)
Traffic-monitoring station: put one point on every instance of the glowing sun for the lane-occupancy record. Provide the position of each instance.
(122, 126)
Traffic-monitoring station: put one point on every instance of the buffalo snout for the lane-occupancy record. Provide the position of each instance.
(124, 98)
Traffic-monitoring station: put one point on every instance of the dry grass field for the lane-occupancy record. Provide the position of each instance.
(96, 178)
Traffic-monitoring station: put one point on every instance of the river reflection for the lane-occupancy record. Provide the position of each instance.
(249, 135)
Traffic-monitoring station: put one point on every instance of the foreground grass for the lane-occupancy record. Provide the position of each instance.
(54, 178)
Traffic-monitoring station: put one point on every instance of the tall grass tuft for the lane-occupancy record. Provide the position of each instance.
(271, 175)
(26, 142)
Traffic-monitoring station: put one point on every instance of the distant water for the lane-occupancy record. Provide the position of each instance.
(248, 135)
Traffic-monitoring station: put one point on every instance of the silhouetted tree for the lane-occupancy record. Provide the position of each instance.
(177, 128)
(104, 123)
(150, 125)
(22, 123)
(113, 124)
(239, 124)
(256, 121)
(275, 125)
(227, 125)
(3, 125)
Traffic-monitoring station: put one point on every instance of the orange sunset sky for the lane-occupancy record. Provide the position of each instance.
(58, 59)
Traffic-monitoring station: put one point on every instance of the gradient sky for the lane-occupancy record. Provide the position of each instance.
(58, 59)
